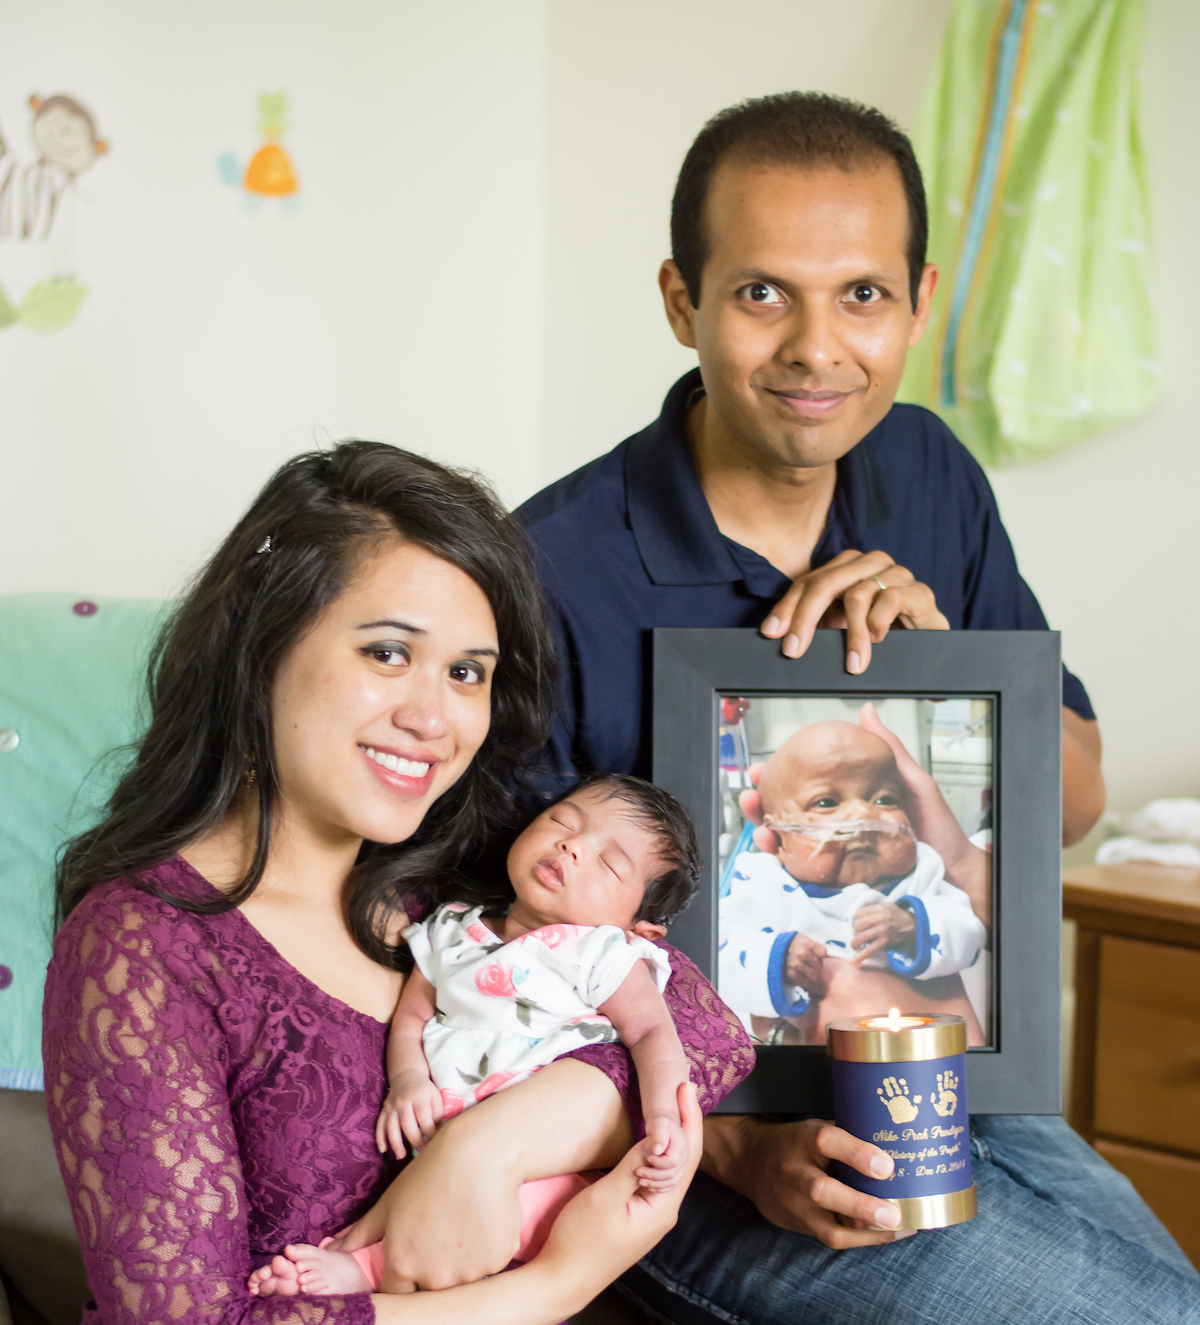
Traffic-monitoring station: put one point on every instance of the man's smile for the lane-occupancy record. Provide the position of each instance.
(809, 404)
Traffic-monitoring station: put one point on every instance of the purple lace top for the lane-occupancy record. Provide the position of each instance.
(210, 1104)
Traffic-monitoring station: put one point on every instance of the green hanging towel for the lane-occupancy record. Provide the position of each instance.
(1043, 330)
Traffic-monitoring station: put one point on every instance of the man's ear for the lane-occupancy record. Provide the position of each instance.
(929, 280)
(645, 930)
(677, 303)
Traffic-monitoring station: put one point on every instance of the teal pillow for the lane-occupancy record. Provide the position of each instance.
(72, 691)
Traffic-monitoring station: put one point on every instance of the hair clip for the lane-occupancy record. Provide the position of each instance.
(264, 546)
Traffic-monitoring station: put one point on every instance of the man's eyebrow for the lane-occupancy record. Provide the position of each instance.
(751, 274)
(758, 274)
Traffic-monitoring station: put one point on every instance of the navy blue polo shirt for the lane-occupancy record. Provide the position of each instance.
(628, 543)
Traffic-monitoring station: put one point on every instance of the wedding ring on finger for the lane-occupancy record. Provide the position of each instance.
(876, 580)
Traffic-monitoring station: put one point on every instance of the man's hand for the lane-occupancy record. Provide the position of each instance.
(863, 593)
(882, 925)
(1083, 782)
(781, 1167)
(805, 965)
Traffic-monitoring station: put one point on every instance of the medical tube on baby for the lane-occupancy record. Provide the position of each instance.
(900, 1082)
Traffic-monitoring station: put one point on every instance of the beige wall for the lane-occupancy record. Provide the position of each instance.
(473, 273)
(401, 301)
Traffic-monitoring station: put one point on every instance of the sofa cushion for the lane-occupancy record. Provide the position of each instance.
(72, 691)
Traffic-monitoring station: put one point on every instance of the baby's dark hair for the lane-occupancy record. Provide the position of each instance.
(674, 886)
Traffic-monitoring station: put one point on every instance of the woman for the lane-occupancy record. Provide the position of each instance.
(338, 709)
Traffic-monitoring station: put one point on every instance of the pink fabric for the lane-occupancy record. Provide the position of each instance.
(210, 1105)
(541, 1203)
(370, 1262)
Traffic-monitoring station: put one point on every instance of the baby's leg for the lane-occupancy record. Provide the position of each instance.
(541, 1204)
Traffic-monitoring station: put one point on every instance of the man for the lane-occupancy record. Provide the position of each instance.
(782, 488)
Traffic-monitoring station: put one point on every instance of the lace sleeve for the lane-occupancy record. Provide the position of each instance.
(718, 1050)
(136, 1090)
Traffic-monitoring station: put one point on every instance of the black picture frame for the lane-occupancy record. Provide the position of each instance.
(1021, 672)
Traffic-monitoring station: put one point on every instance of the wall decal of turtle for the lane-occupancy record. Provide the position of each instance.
(269, 172)
(67, 146)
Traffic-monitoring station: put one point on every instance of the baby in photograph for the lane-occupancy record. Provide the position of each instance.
(496, 997)
(850, 880)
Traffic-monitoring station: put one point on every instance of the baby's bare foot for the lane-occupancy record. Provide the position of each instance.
(322, 1271)
(279, 1279)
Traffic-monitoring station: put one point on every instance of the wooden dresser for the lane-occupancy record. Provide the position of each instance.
(1135, 1092)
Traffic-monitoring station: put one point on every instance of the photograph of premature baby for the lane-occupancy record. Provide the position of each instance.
(851, 841)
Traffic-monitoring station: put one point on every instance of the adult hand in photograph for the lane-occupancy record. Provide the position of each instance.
(880, 925)
(862, 593)
(967, 866)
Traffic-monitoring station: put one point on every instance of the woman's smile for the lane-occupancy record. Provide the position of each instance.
(410, 778)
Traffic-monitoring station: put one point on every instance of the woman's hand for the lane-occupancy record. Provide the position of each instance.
(453, 1215)
(616, 1221)
(967, 866)
(600, 1233)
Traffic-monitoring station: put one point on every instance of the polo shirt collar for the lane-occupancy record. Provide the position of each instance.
(673, 526)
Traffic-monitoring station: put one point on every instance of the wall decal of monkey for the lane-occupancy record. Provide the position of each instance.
(64, 134)
(67, 145)
(270, 173)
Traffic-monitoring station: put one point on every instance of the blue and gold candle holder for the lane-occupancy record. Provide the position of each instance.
(900, 1082)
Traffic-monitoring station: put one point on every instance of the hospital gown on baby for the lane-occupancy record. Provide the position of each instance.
(766, 908)
(504, 1010)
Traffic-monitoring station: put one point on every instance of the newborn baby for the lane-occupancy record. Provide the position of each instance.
(849, 880)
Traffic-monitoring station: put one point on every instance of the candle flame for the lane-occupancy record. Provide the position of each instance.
(893, 1019)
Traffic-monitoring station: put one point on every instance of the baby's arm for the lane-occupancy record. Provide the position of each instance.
(413, 1107)
(640, 1015)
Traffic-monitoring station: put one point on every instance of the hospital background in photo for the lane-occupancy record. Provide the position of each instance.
(950, 738)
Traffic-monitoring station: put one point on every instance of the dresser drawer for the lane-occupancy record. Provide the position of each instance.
(1148, 1044)
(1170, 1186)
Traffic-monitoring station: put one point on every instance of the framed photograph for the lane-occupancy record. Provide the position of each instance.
(876, 841)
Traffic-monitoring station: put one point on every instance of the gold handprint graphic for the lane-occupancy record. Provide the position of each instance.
(945, 1101)
(899, 1105)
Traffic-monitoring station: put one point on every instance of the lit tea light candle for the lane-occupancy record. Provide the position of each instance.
(900, 1082)
(894, 1021)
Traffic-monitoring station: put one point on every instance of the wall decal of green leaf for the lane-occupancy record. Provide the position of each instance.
(51, 304)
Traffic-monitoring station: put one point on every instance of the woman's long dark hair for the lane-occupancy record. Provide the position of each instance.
(212, 668)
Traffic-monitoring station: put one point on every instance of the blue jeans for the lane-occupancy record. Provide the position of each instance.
(1060, 1237)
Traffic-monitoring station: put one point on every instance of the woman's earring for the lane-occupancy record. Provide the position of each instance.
(251, 774)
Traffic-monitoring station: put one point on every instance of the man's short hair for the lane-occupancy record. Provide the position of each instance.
(801, 129)
(677, 874)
